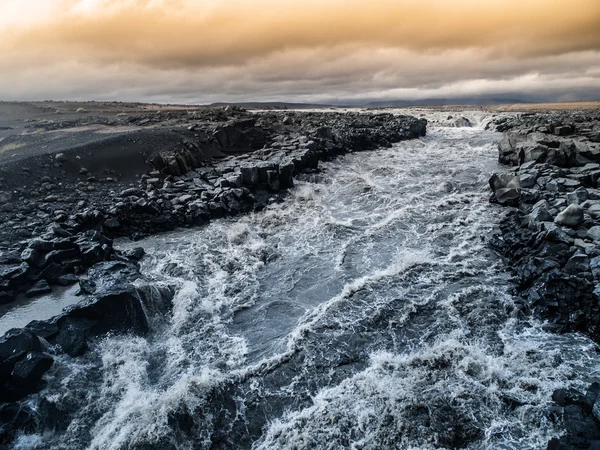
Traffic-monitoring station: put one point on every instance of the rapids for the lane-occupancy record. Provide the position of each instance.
(363, 311)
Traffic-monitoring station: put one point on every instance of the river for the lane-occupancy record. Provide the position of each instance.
(365, 311)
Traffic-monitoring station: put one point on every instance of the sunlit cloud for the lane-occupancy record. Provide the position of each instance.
(197, 51)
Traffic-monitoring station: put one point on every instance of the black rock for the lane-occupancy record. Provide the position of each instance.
(51, 272)
(118, 310)
(106, 276)
(29, 371)
(40, 288)
(16, 343)
(134, 254)
(67, 280)
(72, 335)
(15, 418)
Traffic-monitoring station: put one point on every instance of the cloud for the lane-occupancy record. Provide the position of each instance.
(327, 49)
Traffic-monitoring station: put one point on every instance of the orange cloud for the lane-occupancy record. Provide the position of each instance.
(180, 33)
(309, 50)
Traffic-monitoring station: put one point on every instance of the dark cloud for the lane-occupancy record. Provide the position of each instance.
(333, 49)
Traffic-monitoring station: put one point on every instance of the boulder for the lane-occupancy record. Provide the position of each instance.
(594, 233)
(506, 189)
(109, 275)
(539, 213)
(577, 197)
(571, 216)
(29, 371)
(578, 263)
(462, 122)
(15, 418)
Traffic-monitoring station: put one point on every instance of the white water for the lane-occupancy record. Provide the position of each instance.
(364, 312)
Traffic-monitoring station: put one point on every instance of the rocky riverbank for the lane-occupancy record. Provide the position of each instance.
(551, 237)
(59, 228)
(63, 220)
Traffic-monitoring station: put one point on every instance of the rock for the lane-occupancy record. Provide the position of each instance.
(131, 192)
(571, 216)
(594, 233)
(51, 272)
(17, 343)
(105, 276)
(462, 122)
(579, 262)
(15, 418)
(118, 309)
(273, 180)
(134, 254)
(506, 189)
(527, 180)
(67, 280)
(564, 130)
(40, 288)
(60, 255)
(60, 157)
(112, 224)
(577, 197)
(7, 297)
(72, 336)
(9, 257)
(539, 213)
(29, 371)
(14, 347)
(33, 257)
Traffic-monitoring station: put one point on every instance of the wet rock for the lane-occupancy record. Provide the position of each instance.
(67, 280)
(15, 345)
(29, 371)
(72, 335)
(15, 418)
(527, 180)
(40, 288)
(116, 310)
(582, 426)
(462, 122)
(131, 192)
(7, 296)
(106, 276)
(539, 214)
(134, 254)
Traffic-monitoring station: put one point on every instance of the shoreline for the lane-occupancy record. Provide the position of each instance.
(186, 187)
(182, 189)
(550, 238)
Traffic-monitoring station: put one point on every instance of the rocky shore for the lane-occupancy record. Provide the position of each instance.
(60, 218)
(551, 237)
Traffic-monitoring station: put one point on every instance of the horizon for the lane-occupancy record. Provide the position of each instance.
(336, 52)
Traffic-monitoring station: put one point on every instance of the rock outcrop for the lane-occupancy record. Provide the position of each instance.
(260, 156)
(551, 239)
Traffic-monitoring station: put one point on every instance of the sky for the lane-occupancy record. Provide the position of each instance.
(326, 51)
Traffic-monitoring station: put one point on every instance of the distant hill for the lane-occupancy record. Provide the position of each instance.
(472, 101)
(276, 105)
(443, 102)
